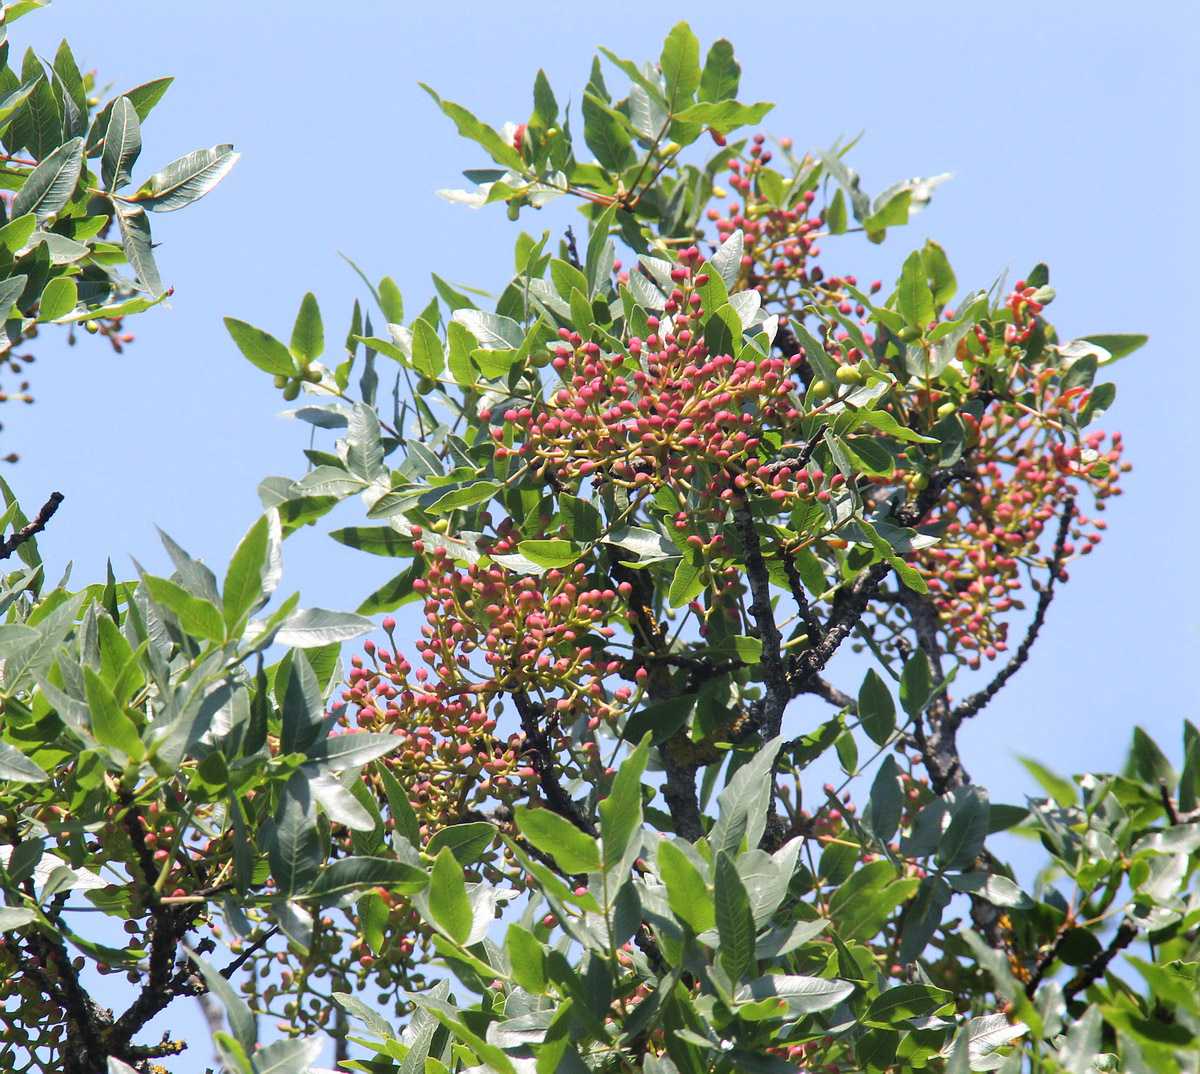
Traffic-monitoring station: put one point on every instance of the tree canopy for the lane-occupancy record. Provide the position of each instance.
(641, 498)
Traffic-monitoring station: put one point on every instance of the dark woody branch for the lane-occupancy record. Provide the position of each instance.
(542, 761)
(973, 704)
(1125, 935)
(27, 533)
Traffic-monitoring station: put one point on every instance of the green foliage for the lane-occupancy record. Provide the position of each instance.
(644, 495)
(69, 237)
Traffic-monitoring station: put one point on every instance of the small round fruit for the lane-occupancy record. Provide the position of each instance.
(946, 409)
(425, 385)
(280, 380)
(291, 390)
(849, 375)
(313, 376)
(909, 333)
(822, 389)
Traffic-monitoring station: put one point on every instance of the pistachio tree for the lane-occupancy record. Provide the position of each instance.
(641, 499)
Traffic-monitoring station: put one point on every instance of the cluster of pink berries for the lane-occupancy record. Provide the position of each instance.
(489, 632)
(665, 411)
(1001, 521)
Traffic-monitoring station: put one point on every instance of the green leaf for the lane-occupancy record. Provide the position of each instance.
(390, 301)
(621, 810)
(350, 749)
(744, 803)
(298, 692)
(467, 842)
(876, 709)
(378, 540)
(735, 922)
(1147, 762)
(59, 298)
(16, 234)
(915, 299)
(69, 77)
(573, 850)
(448, 901)
(39, 125)
(186, 180)
(474, 130)
(10, 290)
(139, 248)
(687, 893)
(862, 904)
(428, 355)
(357, 873)
(552, 553)
(963, 839)
(317, 626)
(687, 581)
(394, 592)
(197, 616)
(605, 134)
(885, 804)
(884, 421)
(721, 74)
(110, 723)
(939, 273)
(241, 1021)
(296, 849)
(18, 768)
(242, 592)
(122, 144)
(15, 917)
(583, 521)
(527, 958)
(996, 889)
(803, 995)
(1118, 345)
(51, 184)
(904, 1002)
(835, 215)
(892, 213)
(13, 101)
(660, 720)
(1059, 788)
(680, 64)
(916, 683)
(726, 116)
(293, 1055)
(143, 98)
(308, 334)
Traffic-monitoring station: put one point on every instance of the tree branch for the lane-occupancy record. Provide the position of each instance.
(970, 706)
(1092, 972)
(543, 764)
(27, 533)
(774, 669)
(825, 690)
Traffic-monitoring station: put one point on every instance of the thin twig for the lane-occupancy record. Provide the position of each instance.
(825, 690)
(1092, 972)
(970, 706)
(34, 528)
(1168, 802)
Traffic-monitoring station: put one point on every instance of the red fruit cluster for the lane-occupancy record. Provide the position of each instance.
(489, 632)
(995, 524)
(665, 410)
(777, 241)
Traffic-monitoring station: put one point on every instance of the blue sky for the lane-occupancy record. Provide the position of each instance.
(1070, 128)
